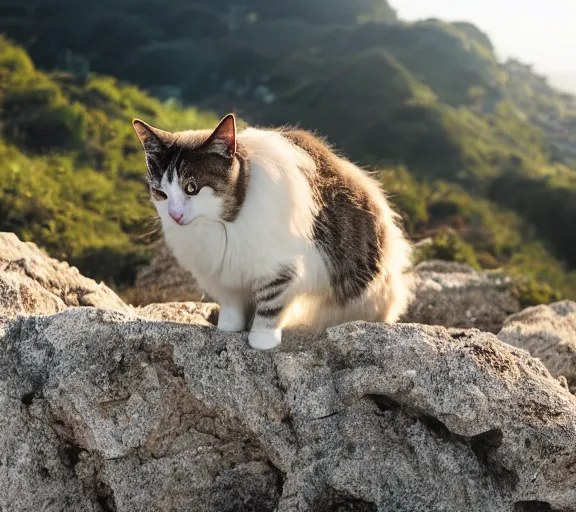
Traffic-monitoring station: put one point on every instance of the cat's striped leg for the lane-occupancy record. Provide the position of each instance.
(271, 298)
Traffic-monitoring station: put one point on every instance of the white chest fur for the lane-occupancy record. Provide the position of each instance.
(199, 247)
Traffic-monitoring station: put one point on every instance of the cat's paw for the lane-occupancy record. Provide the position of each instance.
(265, 339)
(231, 319)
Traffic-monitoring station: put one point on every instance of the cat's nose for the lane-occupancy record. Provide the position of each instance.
(177, 217)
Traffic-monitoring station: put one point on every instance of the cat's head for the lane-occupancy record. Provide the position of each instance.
(195, 173)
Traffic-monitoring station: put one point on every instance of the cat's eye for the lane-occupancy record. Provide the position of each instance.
(190, 189)
(158, 195)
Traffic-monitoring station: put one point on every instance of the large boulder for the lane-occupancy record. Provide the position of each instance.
(101, 410)
(198, 313)
(455, 295)
(151, 408)
(32, 282)
(548, 332)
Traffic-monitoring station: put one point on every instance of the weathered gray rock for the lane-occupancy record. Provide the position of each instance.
(32, 282)
(100, 410)
(151, 409)
(548, 333)
(198, 313)
(456, 295)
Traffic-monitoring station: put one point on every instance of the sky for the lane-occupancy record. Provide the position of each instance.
(538, 32)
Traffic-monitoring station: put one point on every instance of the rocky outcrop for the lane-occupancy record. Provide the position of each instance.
(153, 409)
(456, 295)
(31, 282)
(198, 313)
(103, 411)
(548, 333)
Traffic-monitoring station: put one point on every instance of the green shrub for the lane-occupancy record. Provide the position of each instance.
(14, 60)
(60, 127)
(449, 246)
(530, 292)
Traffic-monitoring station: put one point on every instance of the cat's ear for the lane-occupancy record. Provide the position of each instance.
(152, 139)
(223, 138)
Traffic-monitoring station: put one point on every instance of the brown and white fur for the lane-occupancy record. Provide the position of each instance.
(272, 223)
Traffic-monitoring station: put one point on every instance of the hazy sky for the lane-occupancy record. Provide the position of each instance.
(539, 32)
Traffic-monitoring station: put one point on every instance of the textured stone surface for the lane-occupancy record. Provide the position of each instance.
(105, 411)
(548, 333)
(200, 313)
(31, 282)
(152, 409)
(456, 295)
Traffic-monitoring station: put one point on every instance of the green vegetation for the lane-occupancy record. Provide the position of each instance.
(477, 232)
(448, 245)
(71, 169)
(484, 152)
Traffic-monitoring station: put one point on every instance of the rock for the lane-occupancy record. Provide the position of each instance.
(199, 313)
(455, 295)
(163, 280)
(32, 282)
(548, 333)
(101, 410)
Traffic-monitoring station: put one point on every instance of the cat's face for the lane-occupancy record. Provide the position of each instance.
(192, 174)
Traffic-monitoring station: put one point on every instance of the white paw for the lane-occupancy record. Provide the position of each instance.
(231, 319)
(265, 339)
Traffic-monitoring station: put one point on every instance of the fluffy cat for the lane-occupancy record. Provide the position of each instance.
(276, 227)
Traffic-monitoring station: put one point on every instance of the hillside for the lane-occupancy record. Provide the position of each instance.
(427, 103)
(428, 95)
(71, 173)
(552, 111)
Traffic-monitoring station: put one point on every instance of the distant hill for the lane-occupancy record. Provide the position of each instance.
(486, 148)
(551, 110)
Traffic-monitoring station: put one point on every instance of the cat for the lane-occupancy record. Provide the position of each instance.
(277, 227)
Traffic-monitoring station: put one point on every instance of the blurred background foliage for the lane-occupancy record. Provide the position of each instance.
(478, 155)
